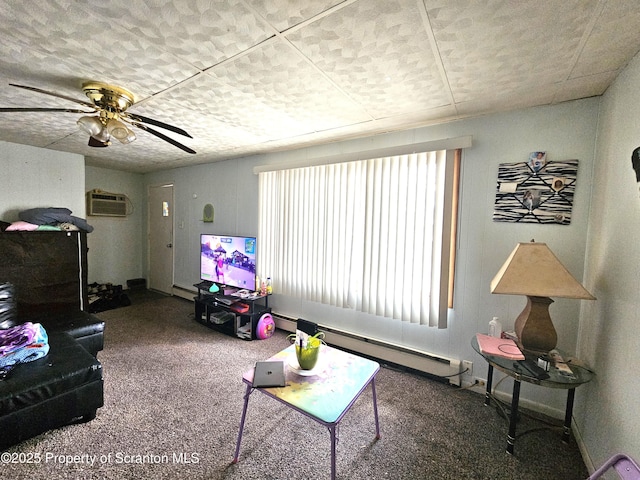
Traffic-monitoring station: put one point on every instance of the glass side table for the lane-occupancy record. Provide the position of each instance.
(520, 373)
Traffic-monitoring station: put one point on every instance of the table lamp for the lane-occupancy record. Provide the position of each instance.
(533, 270)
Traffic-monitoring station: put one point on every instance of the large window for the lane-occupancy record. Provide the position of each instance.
(372, 235)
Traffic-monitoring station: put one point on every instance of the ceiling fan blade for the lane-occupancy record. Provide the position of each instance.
(139, 118)
(97, 143)
(163, 137)
(71, 99)
(27, 109)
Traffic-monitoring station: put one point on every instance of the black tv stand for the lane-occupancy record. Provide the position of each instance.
(229, 313)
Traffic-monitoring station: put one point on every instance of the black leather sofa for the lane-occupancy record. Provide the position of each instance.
(64, 387)
(47, 272)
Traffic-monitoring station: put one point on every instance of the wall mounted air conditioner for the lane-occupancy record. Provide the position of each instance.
(106, 204)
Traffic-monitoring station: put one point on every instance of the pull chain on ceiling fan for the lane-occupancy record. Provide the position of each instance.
(113, 119)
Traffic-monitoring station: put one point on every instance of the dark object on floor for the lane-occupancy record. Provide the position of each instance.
(106, 296)
(136, 284)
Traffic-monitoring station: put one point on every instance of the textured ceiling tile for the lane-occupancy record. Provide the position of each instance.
(37, 129)
(614, 40)
(91, 48)
(284, 14)
(503, 44)
(202, 32)
(527, 96)
(339, 69)
(271, 93)
(200, 109)
(379, 53)
(35, 67)
(279, 78)
(223, 103)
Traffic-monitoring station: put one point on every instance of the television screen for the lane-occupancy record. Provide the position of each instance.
(228, 260)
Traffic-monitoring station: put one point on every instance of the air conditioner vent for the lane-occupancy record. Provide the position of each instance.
(106, 204)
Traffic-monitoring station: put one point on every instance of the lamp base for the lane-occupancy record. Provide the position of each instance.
(534, 328)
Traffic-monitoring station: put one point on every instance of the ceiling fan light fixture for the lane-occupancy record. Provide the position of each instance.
(129, 138)
(103, 135)
(117, 129)
(110, 103)
(92, 125)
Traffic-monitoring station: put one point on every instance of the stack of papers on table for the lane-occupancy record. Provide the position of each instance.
(499, 347)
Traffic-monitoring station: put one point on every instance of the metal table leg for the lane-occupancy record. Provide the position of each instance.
(566, 434)
(244, 414)
(511, 436)
(487, 395)
(375, 407)
(332, 431)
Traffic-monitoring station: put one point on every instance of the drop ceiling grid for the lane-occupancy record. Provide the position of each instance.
(210, 103)
(614, 38)
(249, 76)
(379, 54)
(284, 14)
(506, 46)
(279, 79)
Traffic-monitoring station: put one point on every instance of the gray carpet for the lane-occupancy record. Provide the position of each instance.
(173, 399)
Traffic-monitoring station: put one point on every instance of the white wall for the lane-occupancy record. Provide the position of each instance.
(230, 187)
(565, 131)
(608, 409)
(116, 245)
(36, 177)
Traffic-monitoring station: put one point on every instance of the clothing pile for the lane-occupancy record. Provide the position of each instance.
(21, 344)
(53, 218)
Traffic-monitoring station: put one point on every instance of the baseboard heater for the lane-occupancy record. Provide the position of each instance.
(184, 292)
(446, 368)
(422, 362)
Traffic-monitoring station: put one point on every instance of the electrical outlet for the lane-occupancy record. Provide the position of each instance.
(467, 367)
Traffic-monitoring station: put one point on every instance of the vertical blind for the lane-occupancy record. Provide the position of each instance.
(371, 235)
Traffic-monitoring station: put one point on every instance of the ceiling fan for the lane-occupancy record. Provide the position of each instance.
(112, 119)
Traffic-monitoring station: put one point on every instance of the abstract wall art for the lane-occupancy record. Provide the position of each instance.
(536, 191)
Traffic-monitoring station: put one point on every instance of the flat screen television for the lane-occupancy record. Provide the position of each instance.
(228, 260)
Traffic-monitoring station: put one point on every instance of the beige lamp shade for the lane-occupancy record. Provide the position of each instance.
(532, 269)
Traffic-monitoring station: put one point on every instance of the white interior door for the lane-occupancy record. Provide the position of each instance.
(160, 238)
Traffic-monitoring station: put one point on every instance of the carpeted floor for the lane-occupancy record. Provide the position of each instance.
(173, 400)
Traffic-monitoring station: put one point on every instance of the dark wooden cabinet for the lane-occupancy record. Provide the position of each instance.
(48, 270)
